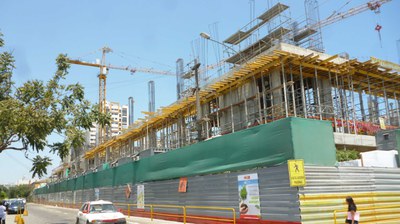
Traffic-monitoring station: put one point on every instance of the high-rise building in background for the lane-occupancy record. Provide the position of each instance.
(125, 116)
(119, 121)
(91, 136)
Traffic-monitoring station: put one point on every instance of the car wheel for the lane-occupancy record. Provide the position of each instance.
(77, 221)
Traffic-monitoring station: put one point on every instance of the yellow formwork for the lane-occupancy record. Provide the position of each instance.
(262, 63)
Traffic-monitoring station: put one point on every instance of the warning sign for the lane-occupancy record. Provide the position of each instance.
(297, 176)
(182, 185)
(128, 191)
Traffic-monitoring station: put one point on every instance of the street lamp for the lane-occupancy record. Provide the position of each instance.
(208, 37)
(205, 35)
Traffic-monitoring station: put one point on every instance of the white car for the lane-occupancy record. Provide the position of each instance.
(99, 212)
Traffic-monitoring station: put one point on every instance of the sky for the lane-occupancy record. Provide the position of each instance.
(154, 34)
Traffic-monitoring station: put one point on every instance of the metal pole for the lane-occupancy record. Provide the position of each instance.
(346, 106)
(218, 121)
(271, 98)
(332, 97)
(303, 96)
(232, 121)
(246, 119)
(284, 89)
(308, 98)
(195, 68)
(361, 104)
(371, 116)
(293, 95)
(397, 109)
(264, 99)
(386, 103)
(258, 99)
(353, 105)
(318, 95)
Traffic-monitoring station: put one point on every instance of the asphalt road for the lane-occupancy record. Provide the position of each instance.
(41, 214)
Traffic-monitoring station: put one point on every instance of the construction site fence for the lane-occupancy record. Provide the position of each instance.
(390, 213)
(180, 213)
(278, 201)
(376, 192)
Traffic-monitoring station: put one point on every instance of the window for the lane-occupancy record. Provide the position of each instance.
(386, 136)
(84, 207)
(124, 112)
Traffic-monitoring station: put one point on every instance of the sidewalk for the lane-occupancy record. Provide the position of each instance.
(140, 220)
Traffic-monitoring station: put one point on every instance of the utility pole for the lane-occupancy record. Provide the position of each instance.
(195, 68)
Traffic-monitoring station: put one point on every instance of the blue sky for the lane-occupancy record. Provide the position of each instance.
(153, 34)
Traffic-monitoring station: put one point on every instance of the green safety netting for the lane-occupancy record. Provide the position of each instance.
(264, 145)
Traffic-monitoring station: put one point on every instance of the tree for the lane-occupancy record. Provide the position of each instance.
(347, 155)
(20, 191)
(3, 192)
(36, 109)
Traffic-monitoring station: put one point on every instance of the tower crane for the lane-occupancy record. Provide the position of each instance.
(310, 29)
(371, 5)
(104, 68)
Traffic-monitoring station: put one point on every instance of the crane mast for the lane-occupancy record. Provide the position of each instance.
(102, 91)
(103, 81)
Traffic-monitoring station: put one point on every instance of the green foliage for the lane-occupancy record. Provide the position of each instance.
(20, 191)
(3, 192)
(36, 109)
(39, 165)
(347, 155)
(243, 193)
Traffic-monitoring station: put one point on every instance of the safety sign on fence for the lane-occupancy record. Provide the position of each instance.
(297, 176)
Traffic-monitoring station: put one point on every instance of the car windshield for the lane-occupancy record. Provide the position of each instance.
(16, 203)
(98, 208)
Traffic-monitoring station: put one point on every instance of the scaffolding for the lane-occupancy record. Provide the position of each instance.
(284, 81)
(269, 78)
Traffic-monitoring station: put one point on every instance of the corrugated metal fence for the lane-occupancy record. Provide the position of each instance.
(278, 200)
(376, 192)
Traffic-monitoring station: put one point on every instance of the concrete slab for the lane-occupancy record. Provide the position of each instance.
(359, 142)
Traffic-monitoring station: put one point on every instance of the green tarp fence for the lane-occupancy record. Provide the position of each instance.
(261, 146)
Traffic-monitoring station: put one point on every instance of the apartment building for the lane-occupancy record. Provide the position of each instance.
(119, 121)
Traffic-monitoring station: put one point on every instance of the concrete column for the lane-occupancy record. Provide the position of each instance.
(326, 97)
(276, 81)
(360, 98)
(96, 160)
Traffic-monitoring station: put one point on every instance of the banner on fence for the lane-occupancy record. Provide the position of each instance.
(140, 196)
(249, 196)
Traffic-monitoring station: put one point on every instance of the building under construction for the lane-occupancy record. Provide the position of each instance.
(276, 98)
(282, 74)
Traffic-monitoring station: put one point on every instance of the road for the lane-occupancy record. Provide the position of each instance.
(41, 214)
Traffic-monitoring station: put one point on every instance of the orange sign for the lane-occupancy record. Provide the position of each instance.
(128, 191)
(182, 185)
